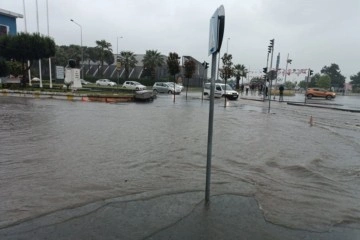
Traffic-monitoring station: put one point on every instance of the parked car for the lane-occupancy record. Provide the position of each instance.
(133, 85)
(319, 92)
(221, 90)
(165, 87)
(105, 82)
(181, 87)
(83, 82)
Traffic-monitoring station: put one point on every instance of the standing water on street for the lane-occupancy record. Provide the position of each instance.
(59, 154)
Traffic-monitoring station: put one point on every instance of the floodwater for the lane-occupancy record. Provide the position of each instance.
(58, 154)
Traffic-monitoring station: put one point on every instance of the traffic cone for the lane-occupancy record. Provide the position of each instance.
(311, 121)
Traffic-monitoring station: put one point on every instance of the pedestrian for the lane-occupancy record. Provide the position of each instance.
(281, 93)
(266, 87)
(242, 88)
(247, 89)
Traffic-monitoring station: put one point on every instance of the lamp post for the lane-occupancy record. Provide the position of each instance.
(48, 32)
(272, 43)
(37, 23)
(82, 50)
(28, 62)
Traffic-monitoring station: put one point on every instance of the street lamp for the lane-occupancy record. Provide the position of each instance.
(82, 50)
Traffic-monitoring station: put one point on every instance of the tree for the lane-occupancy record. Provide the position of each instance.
(4, 68)
(355, 81)
(227, 71)
(302, 84)
(151, 60)
(109, 57)
(237, 75)
(289, 85)
(127, 60)
(337, 79)
(313, 80)
(257, 81)
(324, 82)
(239, 72)
(24, 46)
(173, 66)
(189, 71)
(103, 46)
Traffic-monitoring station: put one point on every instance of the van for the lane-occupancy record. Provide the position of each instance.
(221, 90)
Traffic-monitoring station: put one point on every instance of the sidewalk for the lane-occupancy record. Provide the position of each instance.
(173, 216)
(309, 103)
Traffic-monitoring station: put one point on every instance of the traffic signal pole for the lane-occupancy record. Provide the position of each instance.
(272, 43)
(265, 71)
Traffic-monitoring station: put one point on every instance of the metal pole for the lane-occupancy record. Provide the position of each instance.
(307, 80)
(48, 31)
(287, 61)
(270, 80)
(210, 129)
(218, 67)
(28, 62)
(37, 21)
(267, 65)
(276, 70)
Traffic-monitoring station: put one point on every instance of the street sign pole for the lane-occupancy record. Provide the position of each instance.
(210, 129)
(217, 24)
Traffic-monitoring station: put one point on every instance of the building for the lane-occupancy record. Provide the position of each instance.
(8, 22)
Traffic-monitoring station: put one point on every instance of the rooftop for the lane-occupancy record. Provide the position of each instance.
(10, 14)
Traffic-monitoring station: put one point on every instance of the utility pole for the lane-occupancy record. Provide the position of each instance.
(272, 43)
(276, 70)
(310, 72)
(38, 31)
(265, 71)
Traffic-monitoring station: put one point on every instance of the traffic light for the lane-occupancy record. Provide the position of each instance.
(272, 43)
(269, 49)
(265, 70)
(205, 64)
(311, 72)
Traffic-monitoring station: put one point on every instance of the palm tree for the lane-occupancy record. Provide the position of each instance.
(173, 67)
(243, 72)
(103, 46)
(152, 59)
(237, 74)
(128, 60)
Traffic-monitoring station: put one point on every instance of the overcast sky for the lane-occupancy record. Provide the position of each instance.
(314, 32)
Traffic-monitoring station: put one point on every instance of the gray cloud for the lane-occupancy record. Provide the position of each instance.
(314, 32)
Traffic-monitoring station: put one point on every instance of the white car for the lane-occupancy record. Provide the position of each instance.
(181, 87)
(83, 82)
(165, 87)
(105, 82)
(133, 85)
(221, 90)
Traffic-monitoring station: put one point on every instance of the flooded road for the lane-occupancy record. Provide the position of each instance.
(60, 154)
